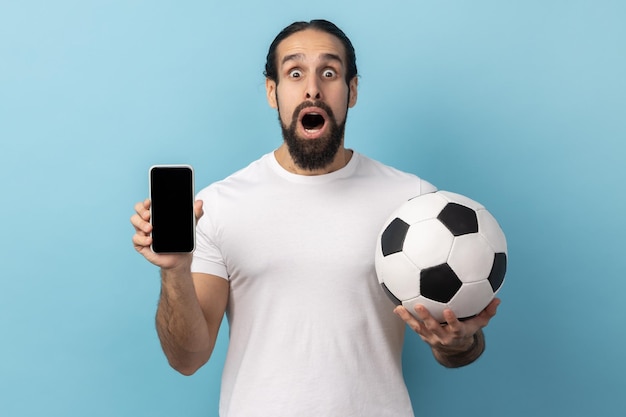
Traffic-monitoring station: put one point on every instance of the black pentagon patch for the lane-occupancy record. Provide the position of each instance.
(392, 297)
(496, 276)
(439, 283)
(392, 238)
(460, 220)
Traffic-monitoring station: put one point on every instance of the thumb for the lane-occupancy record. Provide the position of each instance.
(197, 209)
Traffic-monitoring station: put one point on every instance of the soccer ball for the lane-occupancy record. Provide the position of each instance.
(441, 250)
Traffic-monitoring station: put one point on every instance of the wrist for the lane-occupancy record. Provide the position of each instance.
(470, 343)
(176, 270)
(462, 355)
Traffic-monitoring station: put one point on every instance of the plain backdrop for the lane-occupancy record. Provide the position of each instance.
(520, 105)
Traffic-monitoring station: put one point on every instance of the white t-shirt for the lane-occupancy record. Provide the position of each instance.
(311, 331)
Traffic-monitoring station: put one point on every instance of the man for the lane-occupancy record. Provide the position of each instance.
(285, 250)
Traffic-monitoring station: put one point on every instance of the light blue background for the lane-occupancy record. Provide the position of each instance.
(519, 104)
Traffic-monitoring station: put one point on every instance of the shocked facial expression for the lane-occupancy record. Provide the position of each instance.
(312, 96)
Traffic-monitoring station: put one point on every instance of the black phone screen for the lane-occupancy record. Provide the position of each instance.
(172, 217)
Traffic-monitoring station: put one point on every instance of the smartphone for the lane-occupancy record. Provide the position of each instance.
(171, 210)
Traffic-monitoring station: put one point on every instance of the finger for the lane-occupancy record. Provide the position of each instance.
(146, 210)
(428, 321)
(140, 225)
(141, 222)
(140, 207)
(409, 319)
(198, 209)
(489, 311)
(136, 221)
(141, 241)
(143, 209)
(403, 313)
(492, 308)
(451, 320)
(481, 320)
(457, 331)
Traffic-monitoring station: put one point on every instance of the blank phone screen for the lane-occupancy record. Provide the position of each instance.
(172, 218)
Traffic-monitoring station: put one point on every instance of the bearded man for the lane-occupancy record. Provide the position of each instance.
(285, 250)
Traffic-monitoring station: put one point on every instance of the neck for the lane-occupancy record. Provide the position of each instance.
(285, 160)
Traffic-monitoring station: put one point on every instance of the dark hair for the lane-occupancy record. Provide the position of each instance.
(317, 24)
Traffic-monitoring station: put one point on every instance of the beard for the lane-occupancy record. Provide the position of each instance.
(316, 153)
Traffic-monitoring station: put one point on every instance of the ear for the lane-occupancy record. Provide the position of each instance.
(270, 91)
(354, 84)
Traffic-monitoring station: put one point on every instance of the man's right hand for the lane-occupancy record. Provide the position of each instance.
(142, 239)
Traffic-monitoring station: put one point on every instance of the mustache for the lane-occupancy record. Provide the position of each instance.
(313, 103)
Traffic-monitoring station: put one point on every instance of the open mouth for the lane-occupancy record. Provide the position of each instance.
(313, 121)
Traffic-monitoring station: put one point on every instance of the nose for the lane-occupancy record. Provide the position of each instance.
(313, 90)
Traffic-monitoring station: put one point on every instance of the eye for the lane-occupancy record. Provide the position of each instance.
(329, 73)
(295, 73)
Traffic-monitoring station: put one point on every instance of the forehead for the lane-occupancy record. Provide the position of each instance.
(310, 44)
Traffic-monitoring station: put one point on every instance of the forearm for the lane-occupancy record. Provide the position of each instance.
(180, 322)
(455, 358)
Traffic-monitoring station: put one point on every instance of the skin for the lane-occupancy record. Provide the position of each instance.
(455, 343)
(192, 305)
(311, 67)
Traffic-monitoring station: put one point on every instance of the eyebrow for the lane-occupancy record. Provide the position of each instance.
(300, 57)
